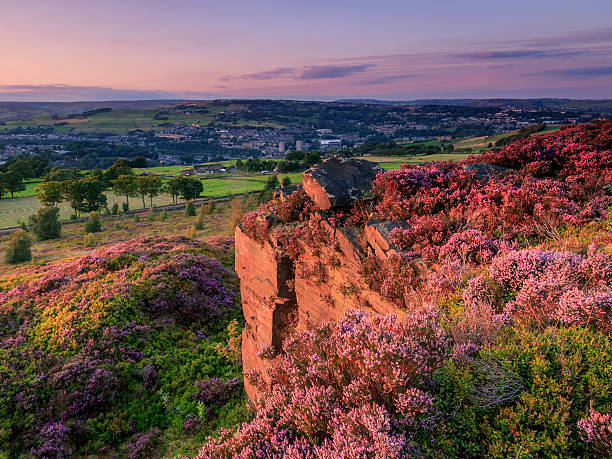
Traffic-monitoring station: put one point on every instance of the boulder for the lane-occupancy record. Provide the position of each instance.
(485, 171)
(377, 234)
(338, 181)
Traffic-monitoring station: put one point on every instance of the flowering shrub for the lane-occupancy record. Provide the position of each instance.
(596, 429)
(101, 348)
(550, 286)
(574, 150)
(352, 388)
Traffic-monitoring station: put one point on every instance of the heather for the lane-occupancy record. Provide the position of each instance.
(105, 354)
(503, 286)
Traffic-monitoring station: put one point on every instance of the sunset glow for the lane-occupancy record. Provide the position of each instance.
(74, 50)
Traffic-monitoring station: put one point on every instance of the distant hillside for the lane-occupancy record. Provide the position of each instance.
(10, 111)
(604, 105)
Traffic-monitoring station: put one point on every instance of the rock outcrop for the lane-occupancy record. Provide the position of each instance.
(283, 292)
(338, 181)
(485, 171)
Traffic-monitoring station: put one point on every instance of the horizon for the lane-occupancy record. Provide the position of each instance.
(392, 51)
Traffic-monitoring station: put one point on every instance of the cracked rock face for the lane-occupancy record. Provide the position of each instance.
(338, 181)
(485, 171)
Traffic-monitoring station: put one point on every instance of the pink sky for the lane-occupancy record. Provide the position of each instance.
(130, 49)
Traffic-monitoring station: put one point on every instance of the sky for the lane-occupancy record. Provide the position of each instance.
(81, 50)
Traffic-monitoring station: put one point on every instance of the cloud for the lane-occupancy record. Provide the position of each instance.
(69, 93)
(520, 54)
(279, 72)
(303, 73)
(391, 78)
(333, 71)
(584, 72)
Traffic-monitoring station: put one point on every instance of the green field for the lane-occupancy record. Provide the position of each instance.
(25, 203)
(124, 121)
(12, 211)
(395, 162)
(477, 144)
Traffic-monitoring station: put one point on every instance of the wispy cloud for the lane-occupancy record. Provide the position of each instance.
(391, 78)
(587, 72)
(520, 54)
(333, 71)
(279, 72)
(312, 72)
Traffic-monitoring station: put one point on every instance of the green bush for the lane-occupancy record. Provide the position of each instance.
(125, 206)
(151, 217)
(199, 224)
(18, 248)
(45, 223)
(137, 218)
(164, 216)
(115, 209)
(93, 224)
(89, 240)
(190, 209)
(210, 207)
(117, 225)
(560, 370)
(73, 217)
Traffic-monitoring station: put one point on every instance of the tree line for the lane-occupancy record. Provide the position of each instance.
(86, 193)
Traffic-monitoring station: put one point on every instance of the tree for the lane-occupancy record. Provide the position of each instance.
(139, 162)
(150, 186)
(190, 188)
(45, 223)
(173, 188)
(186, 187)
(12, 181)
(125, 185)
(58, 174)
(23, 167)
(74, 193)
(18, 248)
(50, 193)
(119, 168)
(189, 209)
(94, 197)
(154, 186)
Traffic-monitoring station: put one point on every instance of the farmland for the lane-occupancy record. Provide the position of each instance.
(123, 121)
(478, 144)
(13, 211)
(16, 210)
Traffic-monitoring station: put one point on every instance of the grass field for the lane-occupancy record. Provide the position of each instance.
(16, 210)
(395, 162)
(477, 144)
(124, 121)
(13, 211)
(124, 227)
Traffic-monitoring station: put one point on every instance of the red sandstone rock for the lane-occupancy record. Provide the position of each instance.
(267, 300)
(377, 234)
(278, 299)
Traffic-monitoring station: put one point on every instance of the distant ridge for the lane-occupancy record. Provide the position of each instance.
(596, 105)
(10, 111)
